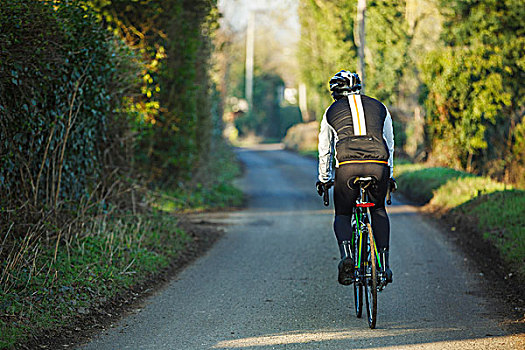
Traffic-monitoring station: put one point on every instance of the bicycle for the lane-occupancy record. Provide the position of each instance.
(366, 273)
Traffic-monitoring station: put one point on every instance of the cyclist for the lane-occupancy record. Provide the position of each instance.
(357, 130)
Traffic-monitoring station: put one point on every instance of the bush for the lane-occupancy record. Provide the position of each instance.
(60, 94)
(419, 183)
(474, 91)
(288, 117)
(302, 137)
(175, 101)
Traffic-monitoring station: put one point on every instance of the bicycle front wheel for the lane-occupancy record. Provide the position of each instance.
(371, 282)
(358, 299)
(359, 246)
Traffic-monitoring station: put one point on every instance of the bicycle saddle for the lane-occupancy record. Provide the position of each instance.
(362, 181)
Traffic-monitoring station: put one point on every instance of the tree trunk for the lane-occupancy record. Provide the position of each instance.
(360, 42)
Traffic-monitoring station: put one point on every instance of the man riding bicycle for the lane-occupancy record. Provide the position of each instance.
(357, 130)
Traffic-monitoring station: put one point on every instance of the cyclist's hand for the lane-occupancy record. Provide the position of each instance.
(393, 185)
(320, 187)
(323, 186)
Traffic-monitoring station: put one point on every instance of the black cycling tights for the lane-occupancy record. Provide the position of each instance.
(345, 198)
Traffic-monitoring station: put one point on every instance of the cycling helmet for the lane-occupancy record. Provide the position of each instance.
(344, 83)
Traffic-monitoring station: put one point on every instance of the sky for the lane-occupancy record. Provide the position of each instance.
(281, 13)
(276, 18)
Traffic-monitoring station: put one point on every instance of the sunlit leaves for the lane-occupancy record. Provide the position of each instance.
(172, 104)
(475, 83)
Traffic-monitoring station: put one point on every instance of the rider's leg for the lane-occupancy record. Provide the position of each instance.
(344, 199)
(342, 229)
(381, 228)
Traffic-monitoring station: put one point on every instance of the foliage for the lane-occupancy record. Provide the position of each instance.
(387, 42)
(469, 79)
(63, 135)
(475, 91)
(264, 118)
(176, 100)
(515, 161)
(60, 94)
(288, 117)
(326, 47)
(81, 111)
(270, 116)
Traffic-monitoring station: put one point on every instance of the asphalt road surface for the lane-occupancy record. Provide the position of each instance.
(271, 282)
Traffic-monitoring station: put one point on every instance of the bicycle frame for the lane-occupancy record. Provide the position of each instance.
(363, 217)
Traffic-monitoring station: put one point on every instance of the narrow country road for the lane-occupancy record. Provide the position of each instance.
(271, 282)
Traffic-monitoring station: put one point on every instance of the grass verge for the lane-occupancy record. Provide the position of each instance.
(494, 209)
(60, 280)
(72, 278)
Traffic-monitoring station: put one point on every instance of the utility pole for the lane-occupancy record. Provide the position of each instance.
(303, 106)
(250, 35)
(360, 42)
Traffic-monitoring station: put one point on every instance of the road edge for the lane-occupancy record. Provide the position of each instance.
(505, 294)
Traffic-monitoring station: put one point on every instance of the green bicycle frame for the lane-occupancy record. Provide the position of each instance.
(358, 219)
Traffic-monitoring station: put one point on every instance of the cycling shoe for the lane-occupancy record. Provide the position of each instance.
(346, 271)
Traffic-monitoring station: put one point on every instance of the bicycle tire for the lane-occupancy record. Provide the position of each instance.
(358, 299)
(371, 283)
(358, 286)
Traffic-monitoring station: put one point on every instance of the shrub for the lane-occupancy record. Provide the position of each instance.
(419, 182)
(60, 95)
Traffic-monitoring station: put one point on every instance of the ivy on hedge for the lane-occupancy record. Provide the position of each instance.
(60, 81)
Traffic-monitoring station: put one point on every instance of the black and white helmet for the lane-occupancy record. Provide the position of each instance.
(344, 83)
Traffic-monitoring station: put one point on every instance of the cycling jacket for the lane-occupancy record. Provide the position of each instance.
(356, 129)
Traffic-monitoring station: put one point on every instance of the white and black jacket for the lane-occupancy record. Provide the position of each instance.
(358, 129)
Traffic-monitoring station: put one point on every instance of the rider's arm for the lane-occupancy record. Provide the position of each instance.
(388, 135)
(326, 138)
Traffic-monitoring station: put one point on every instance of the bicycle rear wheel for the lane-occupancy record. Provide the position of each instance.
(371, 282)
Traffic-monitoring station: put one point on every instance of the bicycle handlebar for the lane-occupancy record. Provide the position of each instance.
(326, 195)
